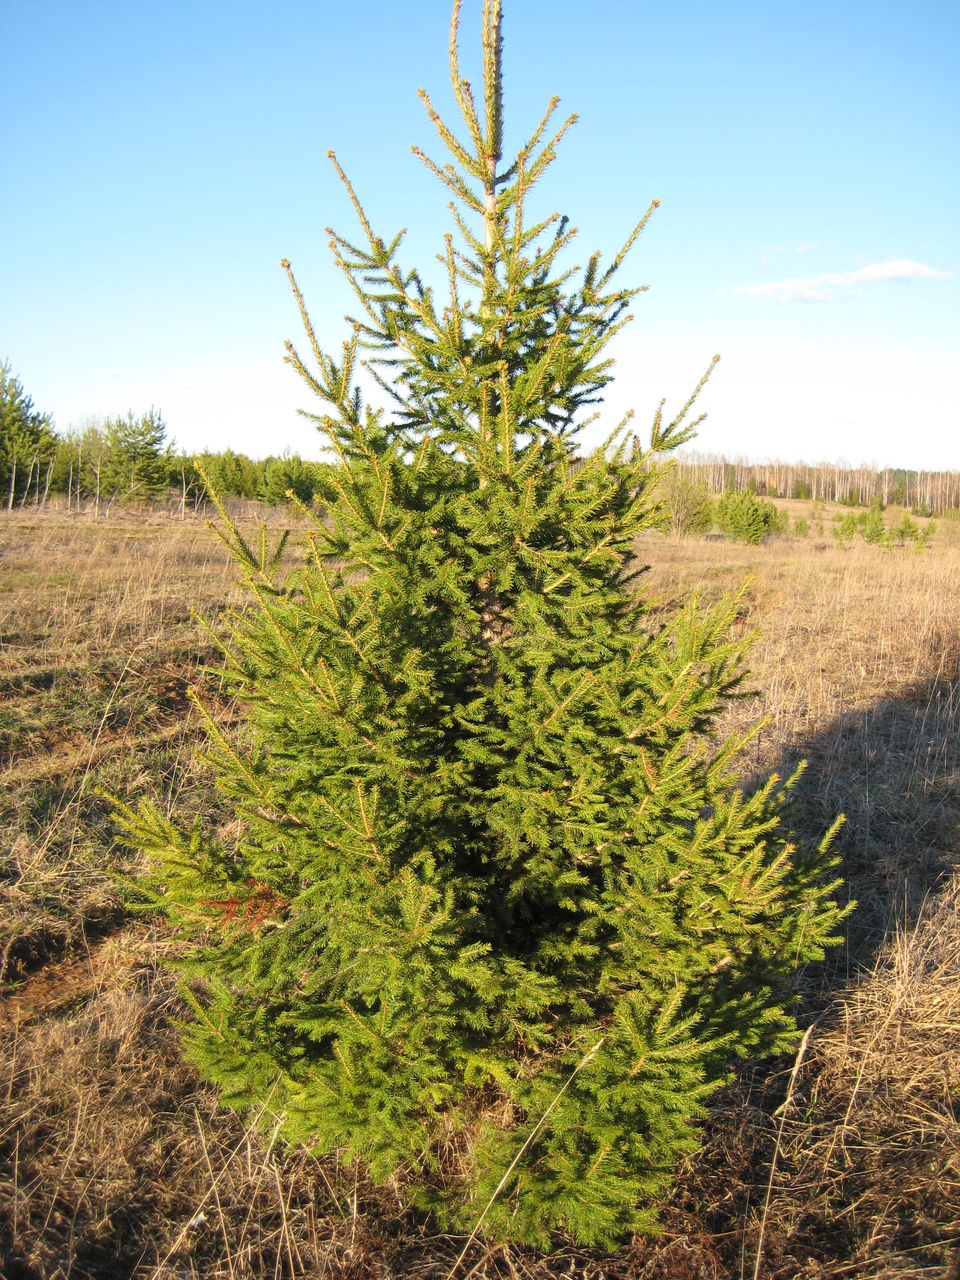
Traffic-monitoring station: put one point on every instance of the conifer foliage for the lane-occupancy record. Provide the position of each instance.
(491, 889)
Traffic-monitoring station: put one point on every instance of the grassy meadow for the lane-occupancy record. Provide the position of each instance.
(114, 1160)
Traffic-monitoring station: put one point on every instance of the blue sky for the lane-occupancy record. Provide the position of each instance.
(161, 160)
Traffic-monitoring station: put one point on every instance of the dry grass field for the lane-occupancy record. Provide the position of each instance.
(114, 1160)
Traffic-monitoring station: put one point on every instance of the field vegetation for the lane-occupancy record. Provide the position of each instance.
(114, 1159)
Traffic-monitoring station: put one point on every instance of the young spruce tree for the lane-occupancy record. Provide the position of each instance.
(492, 889)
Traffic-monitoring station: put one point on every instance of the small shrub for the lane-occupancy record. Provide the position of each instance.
(870, 523)
(926, 533)
(906, 531)
(844, 528)
(746, 518)
(687, 505)
(801, 527)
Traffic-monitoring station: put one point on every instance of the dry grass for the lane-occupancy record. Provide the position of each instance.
(113, 1158)
(874, 1148)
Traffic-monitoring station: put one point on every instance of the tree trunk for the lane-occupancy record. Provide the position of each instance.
(46, 486)
(26, 491)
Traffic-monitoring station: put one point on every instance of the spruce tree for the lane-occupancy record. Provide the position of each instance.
(492, 888)
(27, 440)
(137, 459)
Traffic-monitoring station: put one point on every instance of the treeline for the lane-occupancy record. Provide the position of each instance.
(119, 460)
(927, 493)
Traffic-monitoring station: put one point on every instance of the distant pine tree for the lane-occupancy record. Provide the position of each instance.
(286, 476)
(27, 440)
(230, 473)
(136, 461)
(492, 889)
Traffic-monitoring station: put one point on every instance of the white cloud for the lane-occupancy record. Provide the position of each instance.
(773, 252)
(820, 288)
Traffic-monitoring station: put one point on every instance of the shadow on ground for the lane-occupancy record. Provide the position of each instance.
(893, 769)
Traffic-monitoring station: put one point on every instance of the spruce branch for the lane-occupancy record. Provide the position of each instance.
(628, 245)
(676, 434)
(461, 87)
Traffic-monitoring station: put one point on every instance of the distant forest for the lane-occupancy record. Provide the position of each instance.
(928, 493)
(113, 461)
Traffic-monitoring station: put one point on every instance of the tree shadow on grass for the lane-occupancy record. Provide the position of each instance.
(893, 769)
